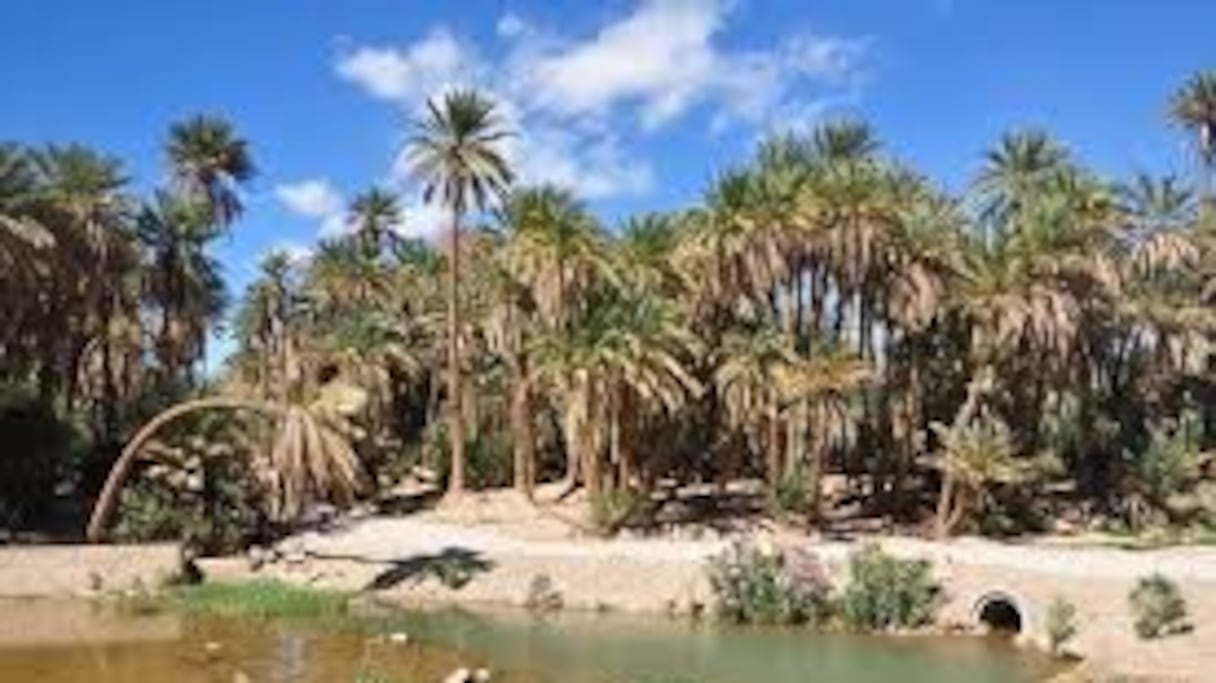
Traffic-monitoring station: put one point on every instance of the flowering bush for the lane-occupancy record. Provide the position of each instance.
(885, 592)
(758, 587)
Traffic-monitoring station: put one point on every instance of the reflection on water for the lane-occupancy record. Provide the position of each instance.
(569, 649)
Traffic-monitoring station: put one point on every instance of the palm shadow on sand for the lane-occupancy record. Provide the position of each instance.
(454, 567)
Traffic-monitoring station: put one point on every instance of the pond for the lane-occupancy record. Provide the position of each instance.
(61, 642)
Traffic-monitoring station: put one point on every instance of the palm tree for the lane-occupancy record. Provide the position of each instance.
(457, 155)
(209, 162)
(1015, 171)
(181, 280)
(1193, 108)
(974, 458)
(1159, 212)
(309, 454)
(555, 247)
(621, 356)
(374, 215)
(555, 252)
(82, 200)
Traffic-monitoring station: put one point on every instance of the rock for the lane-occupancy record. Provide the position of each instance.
(211, 647)
(481, 676)
(461, 675)
(543, 596)
(239, 676)
(258, 557)
(398, 638)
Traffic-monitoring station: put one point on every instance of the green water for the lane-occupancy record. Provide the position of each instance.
(518, 649)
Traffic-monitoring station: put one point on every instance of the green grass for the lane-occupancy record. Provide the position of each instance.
(263, 599)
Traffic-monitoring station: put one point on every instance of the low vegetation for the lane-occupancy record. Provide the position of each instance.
(886, 593)
(261, 599)
(882, 593)
(752, 586)
(1060, 622)
(1158, 607)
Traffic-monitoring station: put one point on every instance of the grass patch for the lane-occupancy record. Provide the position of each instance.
(263, 599)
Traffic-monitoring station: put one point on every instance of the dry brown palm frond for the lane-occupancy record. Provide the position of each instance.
(1167, 250)
(310, 460)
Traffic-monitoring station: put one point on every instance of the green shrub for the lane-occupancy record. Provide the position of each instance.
(1061, 623)
(793, 494)
(1158, 607)
(611, 509)
(210, 504)
(886, 593)
(754, 587)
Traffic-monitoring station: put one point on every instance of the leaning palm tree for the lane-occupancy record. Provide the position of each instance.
(456, 153)
(309, 453)
(1193, 108)
(209, 162)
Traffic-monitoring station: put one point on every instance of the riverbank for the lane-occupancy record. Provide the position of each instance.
(491, 552)
(496, 550)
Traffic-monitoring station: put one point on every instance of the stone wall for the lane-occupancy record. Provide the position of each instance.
(56, 571)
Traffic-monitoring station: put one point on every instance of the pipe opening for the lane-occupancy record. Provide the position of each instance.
(999, 615)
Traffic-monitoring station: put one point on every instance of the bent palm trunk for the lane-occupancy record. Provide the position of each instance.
(107, 501)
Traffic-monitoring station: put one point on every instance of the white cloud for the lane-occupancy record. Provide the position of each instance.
(314, 198)
(433, 64)
(511, 25)
(422, 221)
(659, 56)
(334, 225)
(579, 103)
(593, 166)
(663, 59)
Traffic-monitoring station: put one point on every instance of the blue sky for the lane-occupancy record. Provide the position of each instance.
(635, 104)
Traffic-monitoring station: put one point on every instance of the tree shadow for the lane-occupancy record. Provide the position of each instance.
(453, 567)
(405, 504)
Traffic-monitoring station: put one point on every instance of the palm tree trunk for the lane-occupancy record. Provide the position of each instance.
(774, 450)
(455, 386)
(523, 442)
(945, 502)
(980, 384)
(817, 446)
(628, 439)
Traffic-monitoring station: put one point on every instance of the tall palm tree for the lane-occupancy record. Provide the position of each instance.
(456, 153)
(181, 279)
(1158, 212)
(1193, 108)
(210, 161)
(374, 214)
(1015, 171)
(554, 246)
(81, 194)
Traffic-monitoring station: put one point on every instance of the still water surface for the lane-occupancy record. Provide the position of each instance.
(75, 643)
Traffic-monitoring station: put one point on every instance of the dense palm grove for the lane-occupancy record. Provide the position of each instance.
(826, 320)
